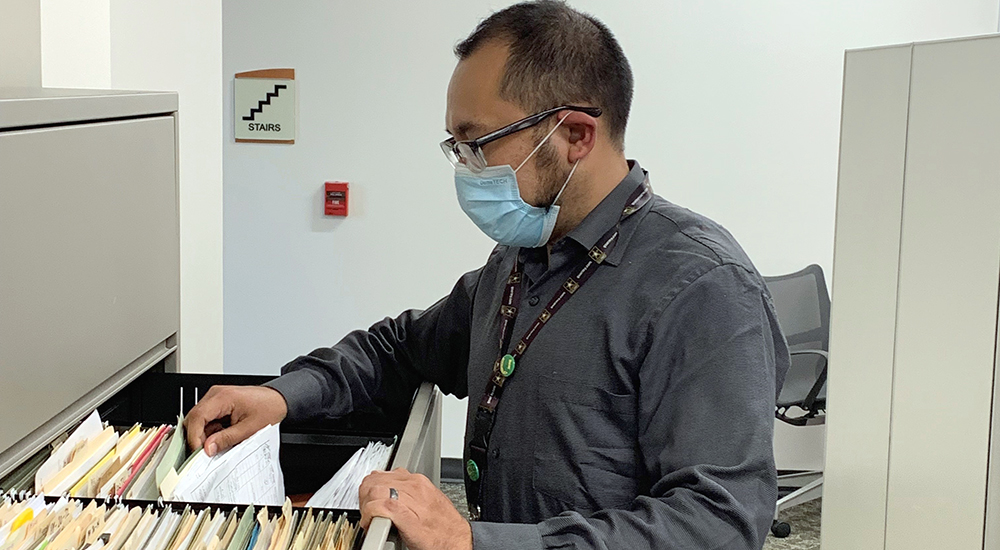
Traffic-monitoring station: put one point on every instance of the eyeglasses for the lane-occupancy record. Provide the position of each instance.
(470, 152)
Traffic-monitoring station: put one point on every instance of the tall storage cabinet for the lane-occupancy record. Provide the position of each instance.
(915, 298)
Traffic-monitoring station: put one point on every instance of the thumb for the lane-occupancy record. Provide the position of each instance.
(221, 441)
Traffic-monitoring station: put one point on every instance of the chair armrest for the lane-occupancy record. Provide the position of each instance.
(821, 353)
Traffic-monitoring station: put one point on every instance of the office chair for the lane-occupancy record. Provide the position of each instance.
(802, 304)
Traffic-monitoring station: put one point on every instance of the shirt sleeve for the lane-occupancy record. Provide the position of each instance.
(431, 345)
(707, 390)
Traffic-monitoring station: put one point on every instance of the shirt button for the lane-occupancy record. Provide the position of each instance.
(496, 453)
(533, 301)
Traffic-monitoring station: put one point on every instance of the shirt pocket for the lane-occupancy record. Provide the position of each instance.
(585, 450)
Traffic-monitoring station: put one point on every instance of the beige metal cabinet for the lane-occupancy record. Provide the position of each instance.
(89, 251)
(914, 317)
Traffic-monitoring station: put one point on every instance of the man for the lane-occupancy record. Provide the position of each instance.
(621, 354)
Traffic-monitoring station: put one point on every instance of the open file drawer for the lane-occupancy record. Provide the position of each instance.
(310, 452)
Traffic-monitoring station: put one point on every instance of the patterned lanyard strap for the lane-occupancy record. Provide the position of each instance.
(504, 366)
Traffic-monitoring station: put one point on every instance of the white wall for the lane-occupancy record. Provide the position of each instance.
(20, 43)
(177, 45)
(371, 88)
(736, 115)
(162, 45)
(76, 43)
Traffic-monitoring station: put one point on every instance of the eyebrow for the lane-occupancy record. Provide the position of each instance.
(464, 129)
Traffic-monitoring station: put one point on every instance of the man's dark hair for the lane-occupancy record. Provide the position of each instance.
(558, 56)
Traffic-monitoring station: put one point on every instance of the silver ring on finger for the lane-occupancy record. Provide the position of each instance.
(393, 494)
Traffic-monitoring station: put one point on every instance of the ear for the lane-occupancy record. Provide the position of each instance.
(580, 131)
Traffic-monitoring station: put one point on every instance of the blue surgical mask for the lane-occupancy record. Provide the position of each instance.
(493, 201)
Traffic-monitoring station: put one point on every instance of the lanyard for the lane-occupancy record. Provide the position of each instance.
(503, 368)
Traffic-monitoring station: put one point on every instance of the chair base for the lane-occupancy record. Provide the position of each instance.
(809, 487)
(798, 479)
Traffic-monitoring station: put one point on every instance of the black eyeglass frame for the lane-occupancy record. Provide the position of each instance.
(475, 160)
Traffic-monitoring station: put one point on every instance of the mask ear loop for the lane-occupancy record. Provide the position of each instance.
(565, 183)
(540, 143)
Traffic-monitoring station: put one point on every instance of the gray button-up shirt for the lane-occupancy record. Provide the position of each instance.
(642, 414)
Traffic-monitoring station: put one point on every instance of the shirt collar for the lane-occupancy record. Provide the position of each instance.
(607, 213)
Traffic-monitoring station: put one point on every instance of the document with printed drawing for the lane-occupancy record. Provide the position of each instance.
(248, 473)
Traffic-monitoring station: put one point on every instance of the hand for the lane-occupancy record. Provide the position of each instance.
(229, 414)
(425, 517)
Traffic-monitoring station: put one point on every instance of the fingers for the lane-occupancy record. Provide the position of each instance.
(424, 515)
(376, 484)
(213, 427)
(379, 476)
(220, 441)
(211, 407)
(401, 516)
(248, 408)
(367, 488)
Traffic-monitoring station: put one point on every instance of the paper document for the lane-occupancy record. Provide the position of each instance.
(249, 473)
(342, 489)
(91, 483)
(144, 485)
(61, 457)
(243, 530)
(32, 523)
(175, 453)
(84, 458)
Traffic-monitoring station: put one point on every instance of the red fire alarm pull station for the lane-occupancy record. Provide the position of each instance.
(336, 198)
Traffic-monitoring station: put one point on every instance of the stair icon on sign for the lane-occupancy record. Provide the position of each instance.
(266, 101)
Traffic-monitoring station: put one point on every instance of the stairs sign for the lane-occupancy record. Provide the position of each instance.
(264, 106)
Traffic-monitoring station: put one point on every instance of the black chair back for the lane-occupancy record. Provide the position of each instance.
(802, 304)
